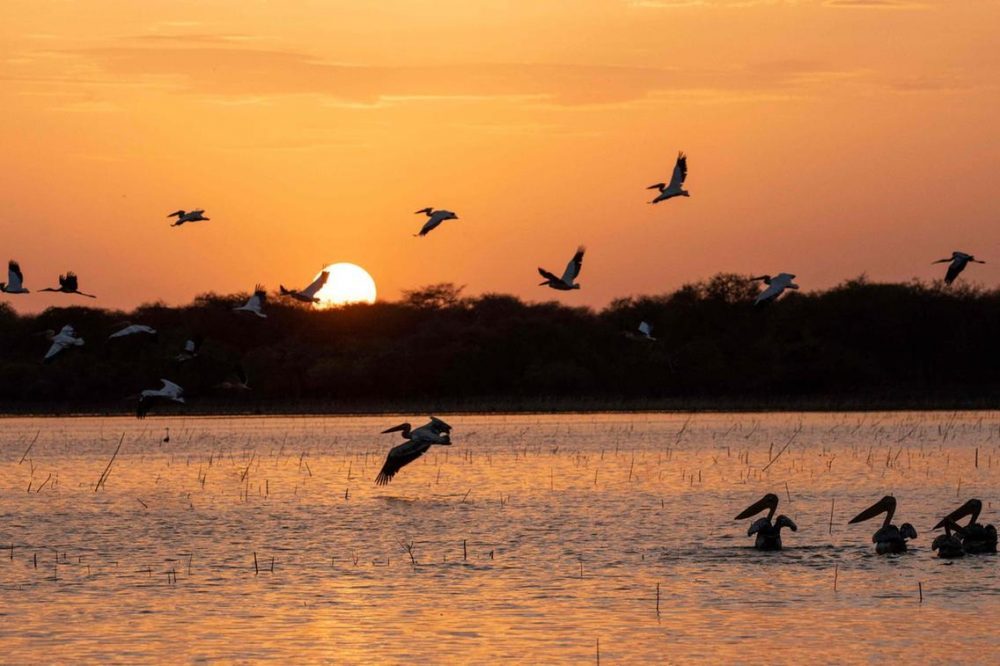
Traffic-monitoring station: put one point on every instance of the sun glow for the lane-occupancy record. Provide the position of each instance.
(348, 283)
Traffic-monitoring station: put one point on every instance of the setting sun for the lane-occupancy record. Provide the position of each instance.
(348, 283)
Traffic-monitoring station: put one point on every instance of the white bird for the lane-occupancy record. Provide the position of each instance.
(959, 260)
(64, 339)
(188, 216)
(567, 281)
(149, 397)
(420, 439)
(775, 286)
(435, 217)
(190, 350)
(676, 186)
(15, 280)
(255, 303)
(646, 330)
(133, 329)
(307, 295)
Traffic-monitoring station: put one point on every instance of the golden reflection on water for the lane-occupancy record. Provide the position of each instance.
(533, 537)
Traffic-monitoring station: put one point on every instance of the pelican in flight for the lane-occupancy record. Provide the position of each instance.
(188, 216)
(307, 295)
(888, 538)
(64, 339)
(768, 534)
(976, 537)
(68, 284)
(434, 218)
(190, 350)
(15, 280)
(959, 260)
(169, 392)
(948, 545)
(567, 281)
(419, 440)
(133, 329)
(255, 303)
(676, 186)
(775, 287)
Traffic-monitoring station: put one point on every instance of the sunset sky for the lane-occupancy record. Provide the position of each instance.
(825, 138)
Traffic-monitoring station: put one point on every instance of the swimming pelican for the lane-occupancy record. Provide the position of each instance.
(307, 295)
(188, 216)
(566, 282)
(255, 303)
(768, 534)
(888, 538)
(68, 284)
(976, 537)
(420, 439)
(166, 393)
(775, 287)
(15, 280)
(959, 260)
(237, 381)
(675, 188)
(134, 329)
(190, 350)
(434, 218)
(64, 339)
(948, 545)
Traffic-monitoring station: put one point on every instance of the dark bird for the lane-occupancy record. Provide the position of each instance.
(188, 216)
(675, 187)
(888, 538)
(68, 284)
(15, 279)
(768, 534)
(236, 381)
(959, 260)
(567, 281)
(434, 218)
(169, 392)
(419, 440)
(307, 295)
(976, 537)
(190, 350)
(948, 545)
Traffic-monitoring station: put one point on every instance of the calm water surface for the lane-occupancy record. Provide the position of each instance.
(532, 538)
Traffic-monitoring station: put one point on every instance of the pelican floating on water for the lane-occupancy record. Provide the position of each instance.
(888, 538)
(976, 538)
(15, 279)
(676, 186)
(434, 218)
(68, 284)
(419, 440)
(188, 216)
(959, 260)
(169, 392)
(948, 545)
(775, 287)
(768, 534)
(567, 281)
(307, 295)
(255, 303)
(64, 339)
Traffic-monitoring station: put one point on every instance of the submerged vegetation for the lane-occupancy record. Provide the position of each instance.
(901, 343)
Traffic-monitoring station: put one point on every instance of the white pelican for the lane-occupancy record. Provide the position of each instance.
(15, 280)
(775, 287)
(959, 260)
(133, 329)
(307, 295)
(255, 303)
(888, 538)
(676, 186)
(64, 339)
(149, 397)
(768, 535)
(188, 216)
(68, 284)
(420, 439)
(435, 217)
(567, 281)
(190, 350)
(237, 381)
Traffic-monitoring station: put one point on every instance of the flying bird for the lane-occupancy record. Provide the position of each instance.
(15, 280)
(307, 295)
(888, 538)
(775, 287)
(133, 330)
(959, 260)
(976, 538)
(237, 381)
(419, 440)
(190, 350)
(68, 284)
(64, 339)
(188, 216)
(567, 281)
(646, 331)
(169, 392)
(434, 218)
(255, 303)
(676, 186)
(768, 534)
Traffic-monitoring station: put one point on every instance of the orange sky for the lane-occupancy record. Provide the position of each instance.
(825, 138)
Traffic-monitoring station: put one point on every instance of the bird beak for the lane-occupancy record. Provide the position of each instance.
(941, 261)
(884, 505)
(966, 509)
(401, 426)
(769, 502)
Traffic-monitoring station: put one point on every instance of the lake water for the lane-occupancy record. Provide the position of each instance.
(534, 538)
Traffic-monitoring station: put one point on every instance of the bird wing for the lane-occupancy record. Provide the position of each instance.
(574, 266)
(14, 277)
(955, 268)
(430, 225)
(175, 390)
(680, 172)
(399, 456)
(645, 329)
(547, 275)
(68, 330)
(439, 425)
(773, 291)
(57, 346)
(758, 525)
(316, 285)
(176, 213)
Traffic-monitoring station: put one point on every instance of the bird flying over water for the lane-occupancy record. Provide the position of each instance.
(15, 280)
(768, 534)
(775, 287)
(434, 218)
(169, 392)
(188, 216)
(567, 281)
(255, 303)
(307, 295)
(133, 330)
(959, 260)
(676, 186)
(64, 339)
(975, 537)
(419, 440)
(888, 538)
(68, 284)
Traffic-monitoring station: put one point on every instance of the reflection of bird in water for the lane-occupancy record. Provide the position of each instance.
(768, 534)
(959, 260)
(419, 441)
(976, 537)
(775, 287)
(676, 186)
(567, 281)
(68, 284)
(888, 538)
(64, 339)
